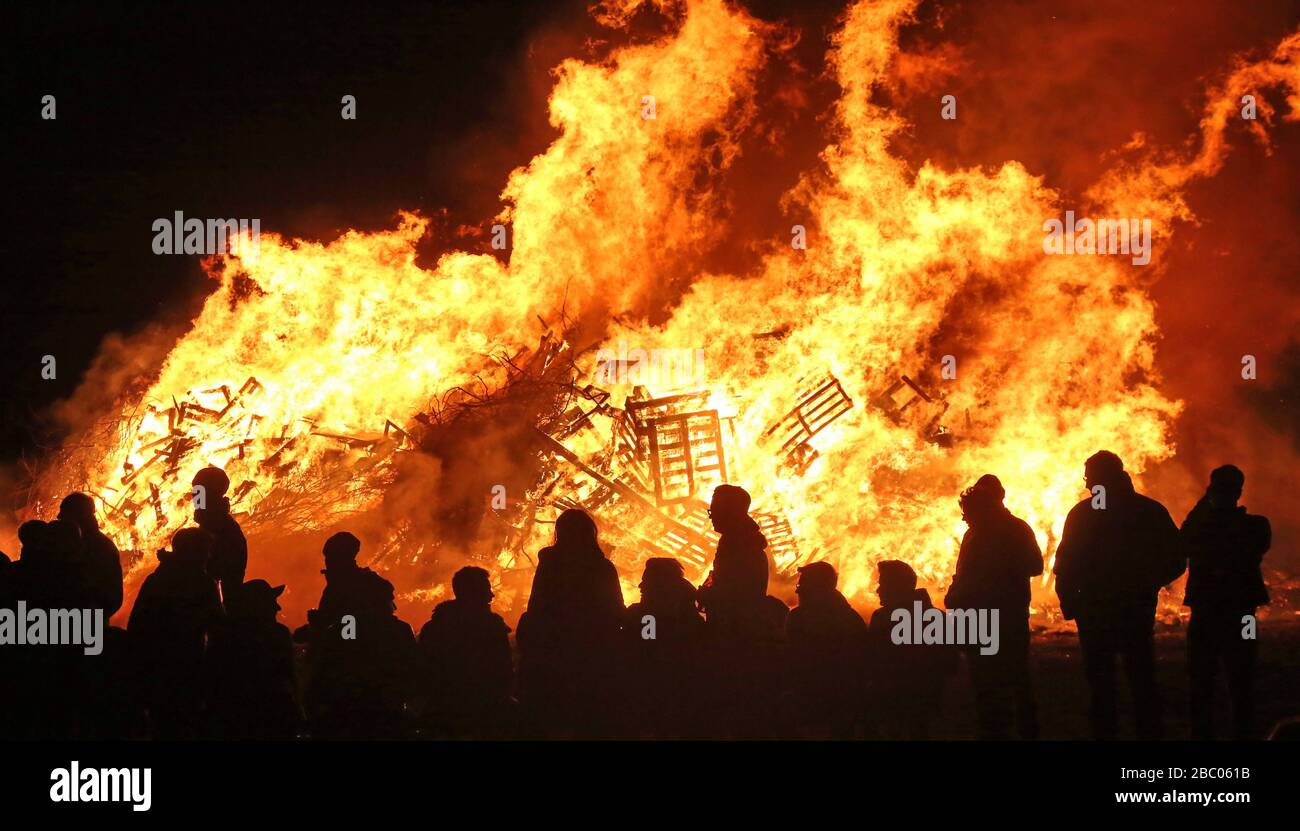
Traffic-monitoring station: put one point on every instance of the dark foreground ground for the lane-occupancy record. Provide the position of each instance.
(1063, 694)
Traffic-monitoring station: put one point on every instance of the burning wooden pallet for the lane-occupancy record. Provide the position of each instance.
(904, 400)
(682, 444)
(693, 550)
(626, 450)
(588, 401)
(231, 419)
(898, 397)
(781, 541)
(677, 538)
(822, 401)
(231, 415)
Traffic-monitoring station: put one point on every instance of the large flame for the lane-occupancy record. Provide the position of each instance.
(346, 341)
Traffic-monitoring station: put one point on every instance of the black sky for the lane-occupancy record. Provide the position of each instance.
(228, 111)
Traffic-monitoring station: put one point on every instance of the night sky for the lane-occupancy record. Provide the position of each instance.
(233, 112)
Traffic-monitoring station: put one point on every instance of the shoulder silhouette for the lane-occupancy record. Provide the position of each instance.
(569, 634)
(229, 558)
(467, 649)
(1225, 547)
(907, 679)
(363, 661)
(665, 637)
(1118, 548)
(250, 687)
(98, 557)
(177, 605)
(999, 555)
(827, 642)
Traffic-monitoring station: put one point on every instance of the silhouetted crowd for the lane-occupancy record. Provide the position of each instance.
(204, 655)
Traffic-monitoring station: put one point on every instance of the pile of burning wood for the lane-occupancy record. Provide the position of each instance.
(645, 469)
(655, 462)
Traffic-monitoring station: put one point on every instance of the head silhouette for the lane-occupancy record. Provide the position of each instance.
(191, 547)
(982, 499)
(341, 551)
(63, 538)
(896, 583)
(661, 578)
(79, 508)
(255, 600)
(729, 508)
(575, 530)
(816, 581)
(34, 536)
(473, 586)
(1103, 468)
(1226, 483)
(215, 483)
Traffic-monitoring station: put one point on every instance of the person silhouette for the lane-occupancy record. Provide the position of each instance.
(664, 633)
(746, 625)
(229, 558)
(33, 554)
(23, 578)
(48, 573)
(178, 604)
(249, 676)
(49, 681)
(26, 712)
(737, 585)
(15, 685)
(100, 562)
(999, 555)
(907, 679)
(351, 588)
(466, 648)
(6, 580)
(1117, 550)
(669, 597)
(362, 659)
(104, 707)
(568, 635)
(1225, 546)
(827, 650)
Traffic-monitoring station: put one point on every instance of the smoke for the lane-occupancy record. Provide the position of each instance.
(1275, 401)
(125, 364)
